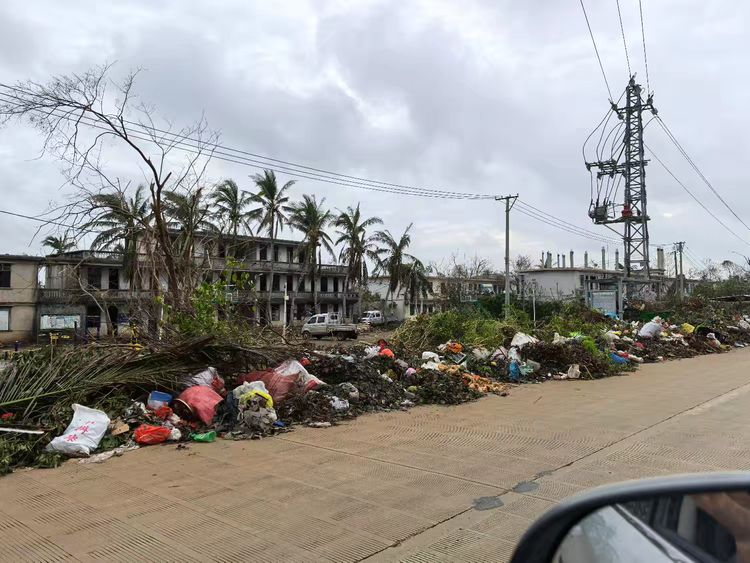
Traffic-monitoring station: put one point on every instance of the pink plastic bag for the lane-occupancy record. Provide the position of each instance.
(281, 380)
(202, 400)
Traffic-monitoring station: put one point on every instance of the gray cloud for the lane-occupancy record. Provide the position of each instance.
(483, 96)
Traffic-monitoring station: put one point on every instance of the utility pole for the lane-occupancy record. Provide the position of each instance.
(633, 214)
(679, 248)
(510, 201)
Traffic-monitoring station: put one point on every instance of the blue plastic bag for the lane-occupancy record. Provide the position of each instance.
(617, 359)
(514, 371)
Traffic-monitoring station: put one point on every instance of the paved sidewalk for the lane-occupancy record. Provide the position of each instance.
(410, 486)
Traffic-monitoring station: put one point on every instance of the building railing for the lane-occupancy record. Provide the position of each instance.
(301, 296)
(78, 295)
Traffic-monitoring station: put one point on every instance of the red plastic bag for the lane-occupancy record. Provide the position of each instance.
(281, 380)
(202, 400)
(147, 434)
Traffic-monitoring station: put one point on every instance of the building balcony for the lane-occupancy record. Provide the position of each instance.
(264, 266)
(300, 297)
(62, 296)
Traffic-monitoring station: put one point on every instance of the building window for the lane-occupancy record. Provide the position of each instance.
(412, 309)
(323, 283)
(335, 284)
(275, 312)
(262, 282)
(114, 278)
(264, 253)
(5, 275)
(94, 277)
(4, 319)
(290, 283)
(275, 284)
(301, 257)
(275, 253)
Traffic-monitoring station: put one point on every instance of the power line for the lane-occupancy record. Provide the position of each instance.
(698, 171)
(245, 161)
(265, 161)
(625, 44)
(596, 50)
(549, 217)
(692, 195)
(643, 35)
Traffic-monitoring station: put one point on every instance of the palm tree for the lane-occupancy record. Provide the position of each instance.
(231, 208)
(391, 256)
(122, 223)
(310, 218)
(272, 200)
(58, 245)
(355, 245)
(414, 281)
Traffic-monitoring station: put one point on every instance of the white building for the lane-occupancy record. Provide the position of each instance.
(444, 291)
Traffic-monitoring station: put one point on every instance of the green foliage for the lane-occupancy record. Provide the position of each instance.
(469, 326)
(213, 311)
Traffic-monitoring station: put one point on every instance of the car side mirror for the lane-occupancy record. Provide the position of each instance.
(704, 518)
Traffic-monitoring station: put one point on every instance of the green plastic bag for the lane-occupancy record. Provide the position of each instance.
(204, 437)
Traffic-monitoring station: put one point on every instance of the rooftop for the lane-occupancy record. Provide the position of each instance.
(19, 258)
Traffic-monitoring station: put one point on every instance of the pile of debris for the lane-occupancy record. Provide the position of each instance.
(124, 398)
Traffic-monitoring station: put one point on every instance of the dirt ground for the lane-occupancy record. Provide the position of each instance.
(430, 484)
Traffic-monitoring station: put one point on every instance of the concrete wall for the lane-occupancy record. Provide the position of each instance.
(20, 301)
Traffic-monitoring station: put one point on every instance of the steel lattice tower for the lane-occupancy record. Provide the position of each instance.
(634, 214)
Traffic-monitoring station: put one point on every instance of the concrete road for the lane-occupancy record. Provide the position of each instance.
(452, 483)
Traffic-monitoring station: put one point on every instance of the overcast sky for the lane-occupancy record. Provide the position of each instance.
(488, 96)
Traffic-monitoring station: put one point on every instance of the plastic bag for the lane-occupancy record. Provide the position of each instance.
(83, 434)
(209, 377)
(339, 405)
(281, 380)
(651, 329)
(147, 434)
(514, 371)
(574, 372)
(430, 357)
(521, 339)
(202, 401)
(371, 352)
(209, 436)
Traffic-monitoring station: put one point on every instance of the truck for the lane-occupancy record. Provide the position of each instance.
(328, 324)
(373, 318)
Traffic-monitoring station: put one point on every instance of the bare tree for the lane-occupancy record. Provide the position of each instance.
(85, 117)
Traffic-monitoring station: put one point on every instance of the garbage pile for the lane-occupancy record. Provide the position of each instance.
(181, 402)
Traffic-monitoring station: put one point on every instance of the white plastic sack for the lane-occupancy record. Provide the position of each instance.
(481, 353)
(514, 354)
(339, 405)
(83, 434)
(574, 372)
(651, 329)
(744, 325)
(291, 368)
(430, 365)
(521, 339)
(371, 352)
(247, 387)
(430, 357)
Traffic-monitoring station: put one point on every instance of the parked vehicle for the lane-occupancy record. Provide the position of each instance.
(373, 318)
(328, 324)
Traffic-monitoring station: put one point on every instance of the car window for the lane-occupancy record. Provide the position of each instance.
(312, 320)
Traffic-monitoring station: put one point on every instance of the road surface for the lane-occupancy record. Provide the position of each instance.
(435, 483)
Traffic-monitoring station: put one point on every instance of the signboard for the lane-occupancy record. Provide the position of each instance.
(59, 322)
(605, 301)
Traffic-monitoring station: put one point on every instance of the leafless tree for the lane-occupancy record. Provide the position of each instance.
(85, 118)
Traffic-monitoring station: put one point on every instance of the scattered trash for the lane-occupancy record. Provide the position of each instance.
(339, 405)
(520, 340)
(83, 434)
(201, 401)
(204, 436)
(117, 427)
(147, 434)
(319, 424)
(104, 456)
(574, 372)
(157, 400)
